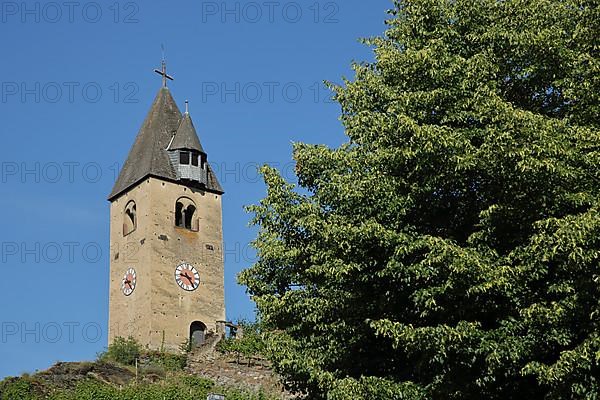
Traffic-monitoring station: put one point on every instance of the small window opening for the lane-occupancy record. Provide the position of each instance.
(130, 218)
(184, 158)
(195, 159)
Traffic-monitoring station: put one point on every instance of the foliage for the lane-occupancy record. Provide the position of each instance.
(123, 351)
(127, 351)
(176, 387)
(451, 248)
(170, 362)
(250, 345)
(17, 388)
(152, 371)
(179, 388)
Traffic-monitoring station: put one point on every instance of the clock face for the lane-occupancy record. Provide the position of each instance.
(128, 282)
(187, 277)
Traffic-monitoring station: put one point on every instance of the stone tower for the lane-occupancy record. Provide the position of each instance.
(166, 258)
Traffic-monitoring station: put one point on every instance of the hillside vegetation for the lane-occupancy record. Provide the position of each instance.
(98, 381)
(114, 376)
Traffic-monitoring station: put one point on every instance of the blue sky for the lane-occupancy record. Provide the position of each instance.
(76, 83)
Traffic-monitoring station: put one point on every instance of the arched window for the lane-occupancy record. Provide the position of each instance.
(129, 218)
(185, 214)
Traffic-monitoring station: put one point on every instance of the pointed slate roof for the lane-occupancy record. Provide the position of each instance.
(213, 183)
(186, 136)
(148, 155)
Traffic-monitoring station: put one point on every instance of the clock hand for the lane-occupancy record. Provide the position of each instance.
(188, 277)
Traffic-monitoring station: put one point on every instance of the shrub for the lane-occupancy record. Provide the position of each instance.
(170, 362)
(123, 351)
(17, 388)
(153, 369)
(249, 346)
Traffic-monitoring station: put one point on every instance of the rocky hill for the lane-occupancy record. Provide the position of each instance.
(203, 374)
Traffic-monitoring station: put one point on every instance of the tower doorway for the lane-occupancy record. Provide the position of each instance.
(197, 334)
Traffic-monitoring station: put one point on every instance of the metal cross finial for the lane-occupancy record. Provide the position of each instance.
(187, 107)
(163, 72)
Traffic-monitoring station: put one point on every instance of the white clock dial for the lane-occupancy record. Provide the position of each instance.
(187, 277)
(128, 282)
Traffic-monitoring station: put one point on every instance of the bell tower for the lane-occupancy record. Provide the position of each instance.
(166, 238)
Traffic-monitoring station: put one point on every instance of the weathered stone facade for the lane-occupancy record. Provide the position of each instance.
(158, 312)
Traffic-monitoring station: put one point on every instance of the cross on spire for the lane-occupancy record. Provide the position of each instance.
(163, 72)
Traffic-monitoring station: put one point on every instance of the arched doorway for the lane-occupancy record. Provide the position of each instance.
(197, 334)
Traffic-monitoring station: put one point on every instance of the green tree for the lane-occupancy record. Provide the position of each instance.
(451, 248)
